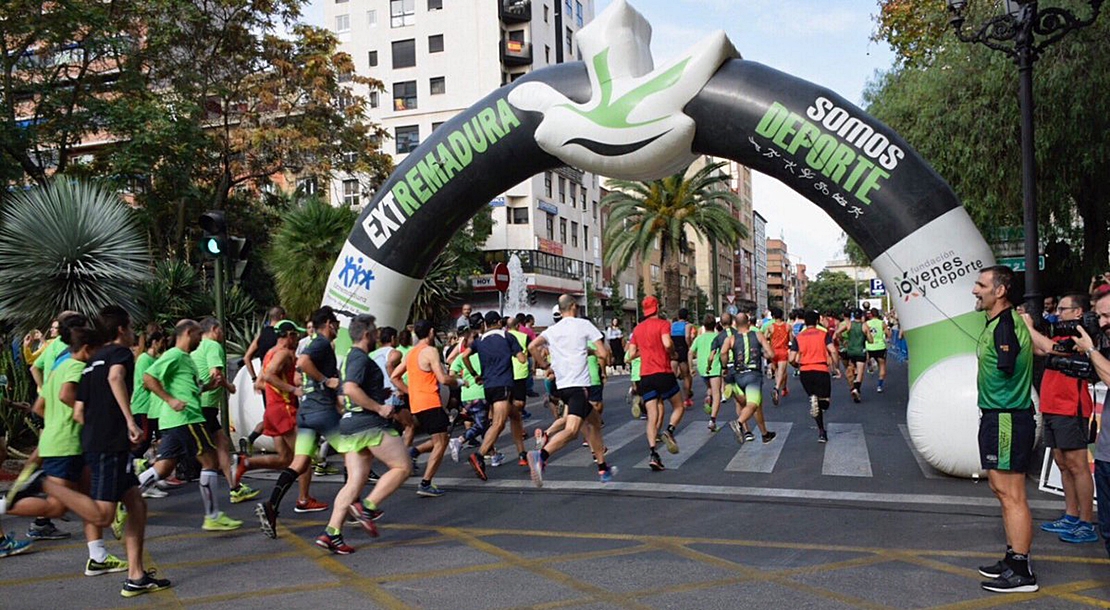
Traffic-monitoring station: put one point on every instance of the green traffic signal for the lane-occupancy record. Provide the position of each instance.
(211, 246)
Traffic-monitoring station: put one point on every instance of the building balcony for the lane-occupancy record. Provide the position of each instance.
(516, 53)
(514, 11)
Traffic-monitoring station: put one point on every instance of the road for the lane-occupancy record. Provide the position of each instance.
(859, 522)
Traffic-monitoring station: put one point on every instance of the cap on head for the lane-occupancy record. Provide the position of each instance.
(285, 326)
(493, 319)
(650, 306)
(555, 313)
(476, 320)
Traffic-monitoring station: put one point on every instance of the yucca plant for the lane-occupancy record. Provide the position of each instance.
(68, 245)
(439, 288)
(173, 292)
(303, 252)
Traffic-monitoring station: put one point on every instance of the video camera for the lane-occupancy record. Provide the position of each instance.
(1074, 364)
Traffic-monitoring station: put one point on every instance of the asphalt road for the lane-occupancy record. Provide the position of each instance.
(858, 522)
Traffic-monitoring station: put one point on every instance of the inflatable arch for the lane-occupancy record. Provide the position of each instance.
(617, 115)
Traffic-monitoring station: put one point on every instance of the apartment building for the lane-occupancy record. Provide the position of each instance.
(780, 276)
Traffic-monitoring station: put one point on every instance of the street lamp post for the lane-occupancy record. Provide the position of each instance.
(1022, 33)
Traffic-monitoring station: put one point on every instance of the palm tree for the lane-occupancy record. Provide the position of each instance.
(641, 212)
(68, 245)
(303, 252)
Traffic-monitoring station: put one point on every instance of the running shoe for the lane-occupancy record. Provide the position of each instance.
(171, 483)
(879, 389)
(822, 437)
(535, 467)
(1084, 532)
(155, 494)
(1011, 582)
(323, 469)
(10, 546)
(770, 436)
(147, 584)
(541, 438)
(496, 459)
(689, 402)
(606, 476)
(737, 431)
(856, 398)
(522, 459)
(774, 396)
(713, 427)
(244, 493)
(110, 565)
(46, 532)
(119, 521)
(244, 446)
(479, 466)
(1062, 525)
(139, 465)
(267, 518)
(637, 406)
(655, 462)
(995, 570)
(748, 436)
(429, 491)
(785, 391)
(814, 407)
(707, 406)
(221, 523)
(454, 445)
(668, 438)
(364, 517)
(311, 505)
(335, 544)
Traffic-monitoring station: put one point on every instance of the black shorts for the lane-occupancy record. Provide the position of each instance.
(817, 383)
(1006, 439)
(68, 468)
(1065, 432)
(857, 358)
(577, 401)
(681, 350)
(519, 390)
(433, 421)
(155, 431)
(212, 420)
(596, 393)
(498, 395)
(185, 441)
(660, 386)
(877, 354)
(323, 422)
(112, 475)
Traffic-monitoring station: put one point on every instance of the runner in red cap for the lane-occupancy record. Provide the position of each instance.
(651, 341)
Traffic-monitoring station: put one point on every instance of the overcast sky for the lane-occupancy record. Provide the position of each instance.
(823, 41)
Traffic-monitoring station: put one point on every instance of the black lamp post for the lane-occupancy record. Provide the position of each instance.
(1023, 32)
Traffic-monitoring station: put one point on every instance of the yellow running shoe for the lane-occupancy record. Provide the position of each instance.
(119, 521)
(244, 493)
(221, 523)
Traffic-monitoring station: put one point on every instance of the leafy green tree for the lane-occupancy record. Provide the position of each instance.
(68, 245)
(831, 291)
(642, 212)
(303, 252)
(855, 253)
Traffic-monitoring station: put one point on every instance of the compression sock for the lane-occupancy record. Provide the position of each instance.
(1018, 563)
(208, 497)
(97, 552)
(285, 480)
(253, 436)
(148, 478)
(670, 429)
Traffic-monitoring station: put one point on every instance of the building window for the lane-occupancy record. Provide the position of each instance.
(578, 13)
(629, 291)
(342, 23)
(438, 85)
(435, 5)
(595, 210)
(570, 46)
(563, 230)
(562, 189)
(351, 193)
(546, 12)
(586, 236)
(404, 53)
(374, 99)
(408, 138)
(307, 186)
(402, 13)
(546, 54)
(350, 157)
(404, 95)
(340, 1)
(435, 43)
(346, 76)
(655, 273)
(372, 18)
(547, 184)
(372, 56)
(435, 126)
(570, 8)
(550, 224)
(517, 216)
(574, 234)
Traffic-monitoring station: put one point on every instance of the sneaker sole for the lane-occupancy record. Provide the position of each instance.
(269, 529)
(246, 498)
(310, 510)
(1095, 538)
(672, 446)
(657, 468)
(220, 528)
(533, 471)
(331, 550)
(1022, 589)
(479, 471)
(368, 526)
(129, 593)
(14, 552)
(102, 572)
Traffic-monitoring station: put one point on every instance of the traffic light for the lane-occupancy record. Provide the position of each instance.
(213, 243)
(531, 297)
(238, 250)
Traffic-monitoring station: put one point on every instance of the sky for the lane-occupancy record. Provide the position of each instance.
(823, 41)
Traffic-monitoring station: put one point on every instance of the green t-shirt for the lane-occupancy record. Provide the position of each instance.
(178, 374)
(45, 361)
(595, 368)
(703, 347)
(471, 391)
(1005, 352)
(857, 340)
(877, 334)
(520, 369)
(404, 356)
(635, 369)
(207, 356)
(140, 396)
(61, 436)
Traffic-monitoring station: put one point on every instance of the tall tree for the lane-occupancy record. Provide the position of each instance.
(831, 291)
(642, 212)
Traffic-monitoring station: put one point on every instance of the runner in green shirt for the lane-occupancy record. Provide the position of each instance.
(701, 352)
(473, 397)
(173, 378)
(854, 339)
(877, 334)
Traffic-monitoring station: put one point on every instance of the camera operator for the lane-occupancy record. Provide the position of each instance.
(1066, 405)
(1085, 345)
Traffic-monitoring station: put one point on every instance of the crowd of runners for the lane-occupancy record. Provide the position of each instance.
(125, 413)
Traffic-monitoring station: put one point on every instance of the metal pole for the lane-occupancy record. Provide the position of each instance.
(1025, 58)
(219, 292)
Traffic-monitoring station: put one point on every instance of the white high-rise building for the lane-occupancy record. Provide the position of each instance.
(438, 57)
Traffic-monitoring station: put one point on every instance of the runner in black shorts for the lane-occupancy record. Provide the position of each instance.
(652, 341)
(812, 351)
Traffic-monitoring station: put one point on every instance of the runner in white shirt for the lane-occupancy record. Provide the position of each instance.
(567, 343)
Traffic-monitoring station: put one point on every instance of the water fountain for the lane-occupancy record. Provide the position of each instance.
(516, 297)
